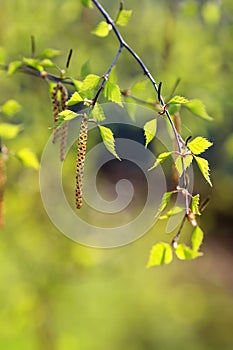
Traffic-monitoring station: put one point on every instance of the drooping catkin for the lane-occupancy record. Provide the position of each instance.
(2, 188)
(82, 147)
(60, 104)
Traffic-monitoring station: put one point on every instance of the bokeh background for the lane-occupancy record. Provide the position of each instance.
(56, 294)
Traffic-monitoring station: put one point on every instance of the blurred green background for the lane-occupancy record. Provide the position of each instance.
(56, 294)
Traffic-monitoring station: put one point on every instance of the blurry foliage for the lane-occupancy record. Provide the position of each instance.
(58, 295)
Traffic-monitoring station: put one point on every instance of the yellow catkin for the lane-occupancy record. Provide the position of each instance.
(2, 188)
(82, 147)
(58, 106)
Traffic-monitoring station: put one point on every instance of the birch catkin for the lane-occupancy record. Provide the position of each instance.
(82, 147)
(58, 106)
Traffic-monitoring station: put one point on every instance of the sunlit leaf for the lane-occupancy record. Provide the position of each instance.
(28, 158)
(195, 204)
(175, 210)
(14, 67)
(112, 92)
(10, 108)
(161, 158)
(123, 17)
(108, 140)
(87, 3)
(34, 63)
(77, 84)
(68, 115)
(204, 168)
(185, 253)
(180, 100)
(199, 145)
(47, 63)
(9, 131)
(187, 160)
(165, 200)
(113, 76)
(102, 29)
(49, 53)
(161, 253)
(197, 107)
(90, 82)
(75, 98)
(150, 130)
(98, 113)
(197, 238)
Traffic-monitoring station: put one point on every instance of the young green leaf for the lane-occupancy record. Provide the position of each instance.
(199, 145)
(9, 131)
(175, 210)
(187, 160)
(34, 63)
(195, 204)
(204, 168)
(198, 108)
(90, 82)
(165, 200)
(161, 253)
(197, 238)
(28, 158)
(123, 17)
(10, 108)
(150, 130)
(49, 53)
(87, 3)
(185, 253)
(113, 76)
(180, 100)
(108, 140)
(75, 98)
(102, 29)
(112, 92)
(161, 158)
(14, 67)
(47, 63)
(98, 113)
(67, 115)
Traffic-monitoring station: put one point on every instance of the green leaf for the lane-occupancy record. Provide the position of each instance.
(28, 158)
(123, 17)
(87, 3)
(161, 158)
(47, 63)
(113, 76)
(204, 168)
(67, 115)
(90, 82)
(195, 204)
(108, 140)
(198, 108)
(199, 145)
(75, 98)
(10, 108)
(173, 108)
(34, 63)
(85, 69)
(102, 29)
(161, 253)
(187, 160)
(112, 92)
(98, 113)
(185, 253)
(197, 238)
(180, 100)
(49, 53)
(77, 84)
(175, 210)
(14, 67)
(9, 131)
(139, 86)
(150, 130)
(165, 200)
